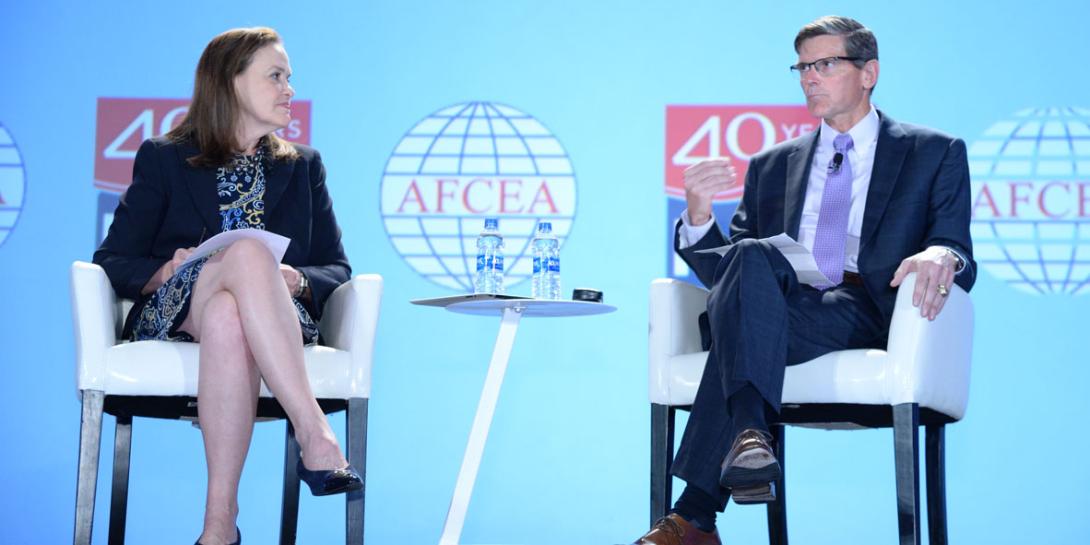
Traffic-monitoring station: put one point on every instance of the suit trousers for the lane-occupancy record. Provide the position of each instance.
(762, 320)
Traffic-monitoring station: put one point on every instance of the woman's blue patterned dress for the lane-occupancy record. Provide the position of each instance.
(241, 188)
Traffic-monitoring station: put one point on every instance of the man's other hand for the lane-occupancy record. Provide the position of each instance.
(702, 181)
(934, 268)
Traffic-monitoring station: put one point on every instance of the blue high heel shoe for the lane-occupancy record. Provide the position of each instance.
(324, 482)
(237, 541)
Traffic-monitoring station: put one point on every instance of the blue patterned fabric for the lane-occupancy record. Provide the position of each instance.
(241, 190)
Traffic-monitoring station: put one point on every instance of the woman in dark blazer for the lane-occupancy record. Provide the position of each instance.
(224, 168)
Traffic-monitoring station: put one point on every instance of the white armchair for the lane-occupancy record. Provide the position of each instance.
(159, 379)
(921, 378)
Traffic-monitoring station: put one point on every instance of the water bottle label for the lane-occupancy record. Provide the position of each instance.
(537, 264)
(496, 262)
(554, 264)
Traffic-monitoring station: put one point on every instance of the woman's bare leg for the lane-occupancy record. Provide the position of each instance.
(237, 313)
(227, 405)
(248, 272)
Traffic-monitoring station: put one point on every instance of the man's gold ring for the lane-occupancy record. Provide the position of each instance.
(942, 290)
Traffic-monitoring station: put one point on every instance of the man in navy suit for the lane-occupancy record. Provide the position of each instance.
(873, 200)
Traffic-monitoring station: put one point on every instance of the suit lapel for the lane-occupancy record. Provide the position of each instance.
(201, 183)
(889, 156)
(798, 173)
(277, 176)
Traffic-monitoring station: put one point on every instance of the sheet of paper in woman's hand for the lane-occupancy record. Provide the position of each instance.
(797, 255)
(276, 244)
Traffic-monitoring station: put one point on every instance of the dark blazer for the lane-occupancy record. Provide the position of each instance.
(172, 205)
(918, 197)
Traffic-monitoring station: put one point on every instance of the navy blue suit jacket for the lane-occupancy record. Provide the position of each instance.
(172, 205)
(918, 197)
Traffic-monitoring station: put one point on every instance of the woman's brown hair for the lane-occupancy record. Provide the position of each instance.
(213, 116)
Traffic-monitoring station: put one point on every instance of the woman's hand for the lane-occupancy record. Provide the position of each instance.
(167, 270)
(292, 278)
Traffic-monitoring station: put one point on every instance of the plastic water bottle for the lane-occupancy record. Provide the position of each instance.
(545, 282)
(489, 277)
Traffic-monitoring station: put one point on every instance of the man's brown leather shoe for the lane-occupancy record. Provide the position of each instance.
(750, 461)
(673, 529)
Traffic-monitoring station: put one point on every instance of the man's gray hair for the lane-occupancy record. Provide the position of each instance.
(859, 41)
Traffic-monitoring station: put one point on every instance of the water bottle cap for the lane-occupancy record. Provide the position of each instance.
(491, 223)
(545, 227)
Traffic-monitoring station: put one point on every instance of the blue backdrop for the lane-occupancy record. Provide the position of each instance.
(567, 459)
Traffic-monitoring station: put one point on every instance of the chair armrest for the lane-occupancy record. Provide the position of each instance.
(349, 322)
(96, 320)
(931, 359)
(674, 308)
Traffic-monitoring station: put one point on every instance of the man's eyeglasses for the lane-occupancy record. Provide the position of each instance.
(824, 66)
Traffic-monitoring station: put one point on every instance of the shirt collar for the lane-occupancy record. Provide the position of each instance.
(864, 133)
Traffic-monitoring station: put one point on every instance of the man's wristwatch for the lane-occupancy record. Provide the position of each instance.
(958, 263)
(303, 285)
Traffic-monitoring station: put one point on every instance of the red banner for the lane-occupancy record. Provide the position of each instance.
(695, 133)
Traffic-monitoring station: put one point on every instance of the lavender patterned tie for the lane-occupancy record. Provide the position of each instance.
(836, 203)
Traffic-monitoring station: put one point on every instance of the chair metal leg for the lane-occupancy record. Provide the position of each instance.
(119, 493)
(935, 447)
(90, 437)
(906, 421)
(289, 506)
(662, 457)
(356, 432)
(777, 510)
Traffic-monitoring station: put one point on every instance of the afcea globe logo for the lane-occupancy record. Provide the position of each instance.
(1031, 200)
(12, 184)
(464, 163)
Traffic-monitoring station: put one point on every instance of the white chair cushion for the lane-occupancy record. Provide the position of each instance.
(847, 376)
(164, 368)
(861, 377)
